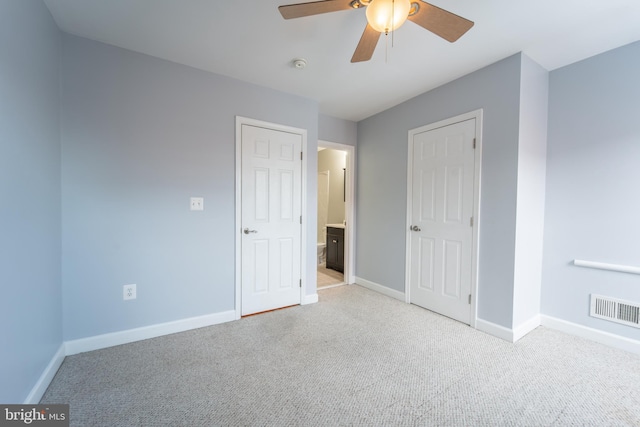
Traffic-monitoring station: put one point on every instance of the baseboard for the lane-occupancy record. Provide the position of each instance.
(47, 376)
(526, 327)
(309, 299)
(495, 330)
(606, 338)
(124, 337)
(380, 288)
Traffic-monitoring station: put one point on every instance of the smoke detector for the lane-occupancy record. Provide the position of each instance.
(299, 63)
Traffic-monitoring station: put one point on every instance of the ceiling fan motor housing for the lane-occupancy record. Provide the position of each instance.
(356, 4)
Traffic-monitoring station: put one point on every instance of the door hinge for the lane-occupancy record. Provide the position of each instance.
(301, 285)
(471, 222)
(474, 143)
(301, 155)
(300, 219)
(469, 298)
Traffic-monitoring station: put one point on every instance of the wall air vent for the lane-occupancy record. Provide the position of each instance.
(615, 310)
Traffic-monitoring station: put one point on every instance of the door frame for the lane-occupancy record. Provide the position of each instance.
(475, 246)
(350, 214)
(238, 206)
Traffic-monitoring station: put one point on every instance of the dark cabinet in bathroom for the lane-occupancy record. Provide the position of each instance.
(335, 248)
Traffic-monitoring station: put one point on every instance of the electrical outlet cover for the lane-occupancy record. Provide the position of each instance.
(197, 203)
(129, 292)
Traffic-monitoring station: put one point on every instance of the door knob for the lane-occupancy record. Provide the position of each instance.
(415, 228)
(247, 231)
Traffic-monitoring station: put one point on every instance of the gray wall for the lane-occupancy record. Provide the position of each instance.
(31, 313)
(140, 136)
(337, 130)
(593, 172)
(382, 181)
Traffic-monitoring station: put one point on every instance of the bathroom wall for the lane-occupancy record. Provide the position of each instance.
(334, 161)
(323, 203)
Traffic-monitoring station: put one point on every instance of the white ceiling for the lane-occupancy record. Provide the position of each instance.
(249, 40)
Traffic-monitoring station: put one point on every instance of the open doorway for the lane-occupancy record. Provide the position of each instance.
(335, 226)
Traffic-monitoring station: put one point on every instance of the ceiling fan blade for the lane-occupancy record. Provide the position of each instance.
(366, 45)
(313, 8)
(445, 24)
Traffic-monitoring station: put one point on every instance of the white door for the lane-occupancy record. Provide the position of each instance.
(441, 236)
(271, 191)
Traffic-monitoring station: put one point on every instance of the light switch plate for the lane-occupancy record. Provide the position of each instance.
(197, 203)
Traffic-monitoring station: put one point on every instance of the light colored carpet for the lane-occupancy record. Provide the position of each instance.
(355, 358)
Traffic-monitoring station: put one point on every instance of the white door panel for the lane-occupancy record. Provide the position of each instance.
(271, 208)
(442, 203)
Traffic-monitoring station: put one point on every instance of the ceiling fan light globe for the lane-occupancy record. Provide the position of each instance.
(387, 15)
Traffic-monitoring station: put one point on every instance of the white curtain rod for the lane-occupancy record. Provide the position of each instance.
(605, 266)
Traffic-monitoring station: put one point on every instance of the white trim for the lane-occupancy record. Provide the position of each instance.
(304, 276)
(332, 286)
(475, 246)
(507, 334)
(475, 256)
(495, 330)
(47, 376)
(408, 216)
(138, 334)
(526, 327)
(513, 335)
(238, 220)
(309, 299)
(605, 266)
(602, 337)
(238, 206)
(350, 215)
(380, 288)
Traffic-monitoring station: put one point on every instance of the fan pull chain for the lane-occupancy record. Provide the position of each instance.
(386, 33)
(386, 47)
(393, 20)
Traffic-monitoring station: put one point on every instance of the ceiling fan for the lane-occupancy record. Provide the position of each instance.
(384, 16)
